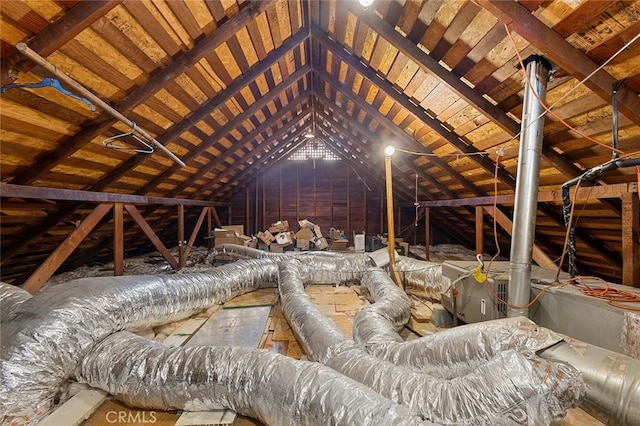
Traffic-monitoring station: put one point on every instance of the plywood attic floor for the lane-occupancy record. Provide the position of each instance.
(340, 304)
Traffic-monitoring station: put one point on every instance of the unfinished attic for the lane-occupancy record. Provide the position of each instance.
(311, 212)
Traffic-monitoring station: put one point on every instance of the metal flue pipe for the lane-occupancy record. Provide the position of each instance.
(528, 175)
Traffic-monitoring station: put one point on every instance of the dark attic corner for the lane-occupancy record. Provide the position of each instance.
(311, 212)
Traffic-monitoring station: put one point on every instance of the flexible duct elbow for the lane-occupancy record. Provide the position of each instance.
(507, 387)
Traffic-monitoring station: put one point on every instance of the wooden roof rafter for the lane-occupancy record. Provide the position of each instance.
(563, 54)
(140, 94)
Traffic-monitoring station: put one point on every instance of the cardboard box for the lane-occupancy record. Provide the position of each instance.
(336, 234)
(276, 248)
(279, 226)
(317, 231)
(302, 243)
(283, 239)
(245, 240)
(304, 223)
(304, 234)
(266, 237)
(226, 237)
(339, 245)
(321, 243)
(238, 229)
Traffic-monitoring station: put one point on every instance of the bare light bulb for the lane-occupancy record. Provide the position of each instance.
(388, 151)
(365, 3)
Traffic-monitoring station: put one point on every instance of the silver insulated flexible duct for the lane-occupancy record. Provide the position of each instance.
(478, 374)
(507, 389)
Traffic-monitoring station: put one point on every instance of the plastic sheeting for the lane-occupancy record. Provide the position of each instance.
(270, 387)
(53, 330)
(10, 299)
(447, 354)
(508, 389)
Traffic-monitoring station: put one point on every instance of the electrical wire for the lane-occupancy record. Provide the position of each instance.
(548, 109)
(613, 296)
(495, 209)
(457, 156)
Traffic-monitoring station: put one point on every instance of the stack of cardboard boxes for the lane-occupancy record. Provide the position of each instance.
(278, 238)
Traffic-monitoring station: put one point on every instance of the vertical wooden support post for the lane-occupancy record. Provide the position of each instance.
(427, 232)
(60, 254)
(229, 215)
(181, 241)
(247, 209)
(118, 240)
(264, 205)
(479, 232)
(365, 215)
(209, 227)
(349, 229)
(630, 237)
(390, 225)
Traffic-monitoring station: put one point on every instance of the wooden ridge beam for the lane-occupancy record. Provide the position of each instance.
(177, 66)
(26, 191)
(563, 54)
(584, 193)
(62, 252)
(57, 34)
